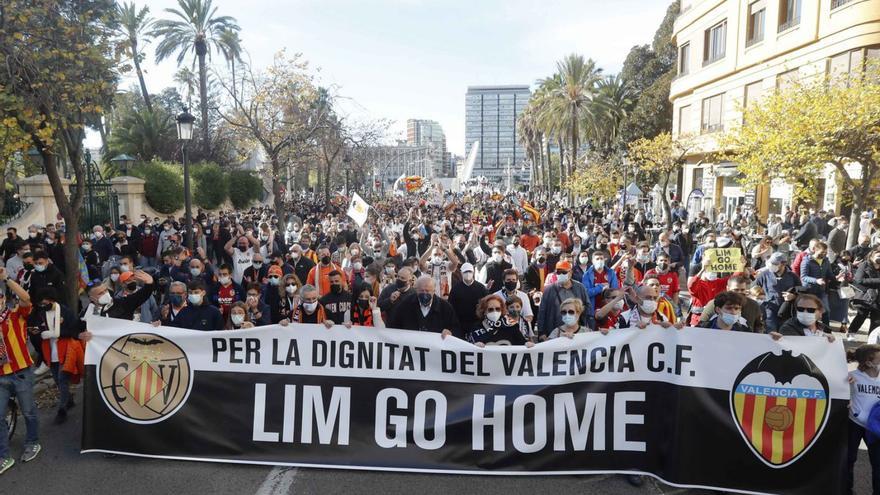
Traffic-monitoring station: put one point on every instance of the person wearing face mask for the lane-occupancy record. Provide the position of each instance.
(12, 244)
(570, 315)
(424, 311)
(301, 263)
(256, 273)
(642, 263)
(92, 259)
(45, 274)
(645, 310)
(258, 311)
(519, 257)
(703, 287)
(801, 256)
(354, 274)
(668, 278)
(867, 293)
(612, 315)
(198, 314)
(495, 266)
(582, 265)
(509, 291)
(319, 275)
(242, 253)
(597, 279)
(807, 320)
(238, 317)
(365, 311)
(817, 276)
(864, 396)
(565, 288)
(464, 296)
(59, 329)
(225, 292)
(727, 315)
(308, 309)
(337, 302)
(123, 306)
(494, 326)
(709, 242)
(775, 280)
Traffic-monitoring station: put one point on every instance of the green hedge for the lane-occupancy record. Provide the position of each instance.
(164, 185)
(244, 188)
(210, 185)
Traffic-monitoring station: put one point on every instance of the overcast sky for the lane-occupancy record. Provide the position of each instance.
(400, 59)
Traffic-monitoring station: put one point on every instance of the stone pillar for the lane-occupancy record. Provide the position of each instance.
(132, 199)
(37, 191)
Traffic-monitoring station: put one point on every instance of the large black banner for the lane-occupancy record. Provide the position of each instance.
(696, 407)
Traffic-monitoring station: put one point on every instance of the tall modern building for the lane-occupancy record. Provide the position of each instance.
(491, 118)
(733, 52)
(420, 132)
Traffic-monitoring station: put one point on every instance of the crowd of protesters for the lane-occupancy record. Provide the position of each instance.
(488, 268)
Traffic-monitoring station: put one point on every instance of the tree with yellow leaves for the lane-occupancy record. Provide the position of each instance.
(795, 133)
(662, 157)
(58, 73)
(599, 178)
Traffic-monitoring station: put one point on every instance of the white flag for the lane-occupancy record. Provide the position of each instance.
(358, 209)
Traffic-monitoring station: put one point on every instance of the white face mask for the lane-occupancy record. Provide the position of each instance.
(569, 319)
(310, 307)
(497, 258)
(224, 280)
(598, 264)
(618, 306)
(357, 265)
(562, 278)
(584, 260)
(493, 316)
(290, 289)
(805, 318)
(237, 319)
(648, 306)
(114, 277)
(556, 250)
(468, 277)
(105, 299)
(195, 299)
(710, 276)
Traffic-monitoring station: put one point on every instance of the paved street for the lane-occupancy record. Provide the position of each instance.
(60, 462)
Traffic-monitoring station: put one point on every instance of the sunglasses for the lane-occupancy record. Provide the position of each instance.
(493, 309)
(806, 310)
(568, 312)
(563, 272)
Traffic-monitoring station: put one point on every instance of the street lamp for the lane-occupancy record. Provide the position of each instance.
(184, 133)
(123, 161)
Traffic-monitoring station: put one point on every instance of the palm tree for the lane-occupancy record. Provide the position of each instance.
(133, 23)
(231, 49)
(187, 79)
(197, 29)
(616, 98)
(146, 134)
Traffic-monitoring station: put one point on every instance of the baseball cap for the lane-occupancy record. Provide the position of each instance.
(467, 267)
(275, 270)
(563, 265)
(778, 259)
(126, 276)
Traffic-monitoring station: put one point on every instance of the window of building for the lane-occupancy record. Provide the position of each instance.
(713, 108)
(755, 30)
(684, 59)
(752, 94)
(851, 63)
(697, 182)
(787, 79)
(839, 3)
(715, 42)
(789, 14)
(684, 119)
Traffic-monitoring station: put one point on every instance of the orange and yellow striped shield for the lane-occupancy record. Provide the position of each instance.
(780, 422)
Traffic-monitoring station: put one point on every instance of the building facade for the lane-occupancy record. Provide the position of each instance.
(420, 132)
(730, 53)
(491, 114)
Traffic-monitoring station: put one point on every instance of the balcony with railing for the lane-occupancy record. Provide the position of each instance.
(785, 26)
(839, 3)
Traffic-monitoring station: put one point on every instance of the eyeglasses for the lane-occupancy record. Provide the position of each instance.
(568, 312)
(806, 310)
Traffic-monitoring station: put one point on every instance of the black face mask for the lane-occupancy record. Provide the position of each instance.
(510, 286)
(28, 266)
(400, 284)
(363, 303)
(132, 286)
(541, 261)
(46, 307)
(325, 260)
(336, 289)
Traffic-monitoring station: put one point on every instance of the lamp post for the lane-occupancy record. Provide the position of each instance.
(184, 133)
(123, 161)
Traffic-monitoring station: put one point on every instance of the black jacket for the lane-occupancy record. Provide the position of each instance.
(123, 307)
(203, 317)
(464, 300)
(51, 277)
(867, 284)
(407, 315)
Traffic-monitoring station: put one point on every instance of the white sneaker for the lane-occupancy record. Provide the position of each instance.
(41, 370)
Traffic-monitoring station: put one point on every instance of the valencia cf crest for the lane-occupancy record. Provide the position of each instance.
(780, 404)
(144, 378)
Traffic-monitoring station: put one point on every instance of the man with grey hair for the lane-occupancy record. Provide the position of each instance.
(425, 312)
(307, 308)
